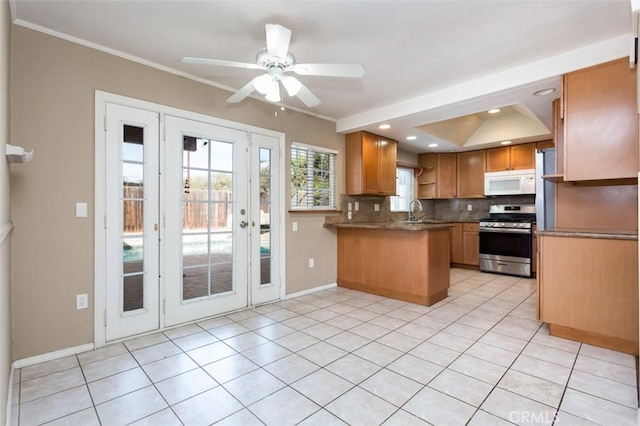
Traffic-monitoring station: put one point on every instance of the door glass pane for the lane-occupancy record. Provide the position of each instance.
(221, 156)
(207, 244)
(132, 218)
(133, 292)
(195, 184)
(265, 215)
(194, 282)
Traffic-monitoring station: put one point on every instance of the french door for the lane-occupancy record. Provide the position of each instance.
(192, 220)
(131, 221)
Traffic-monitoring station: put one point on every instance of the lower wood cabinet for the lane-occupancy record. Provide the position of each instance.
(588, 290)
(470, 244)
(455, 243)
(464, 244)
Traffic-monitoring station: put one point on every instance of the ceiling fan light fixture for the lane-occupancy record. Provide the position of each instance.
(273, 95)
(291, 84)
(263, 83)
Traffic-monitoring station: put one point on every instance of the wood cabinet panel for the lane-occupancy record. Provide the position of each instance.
(446, 187)
(455, 243)
(438, 178)
(470, 174)
(523, 156)
(545, 144)
(558, 136)
(601, 123)
(517, 157)
(498, 159)
(611, 207)
(370, 160)
(464, 243)
(470, 244)
(406, 265)
(589, 290)
(387, 163)
(370, 164)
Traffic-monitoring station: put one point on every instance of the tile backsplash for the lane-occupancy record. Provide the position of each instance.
(454, 210)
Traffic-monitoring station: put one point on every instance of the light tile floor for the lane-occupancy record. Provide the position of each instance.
(340, 357)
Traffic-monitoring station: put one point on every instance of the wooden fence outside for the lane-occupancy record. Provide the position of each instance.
(194, 209)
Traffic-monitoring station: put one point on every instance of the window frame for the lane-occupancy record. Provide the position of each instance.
(413, 191)
(332, 191)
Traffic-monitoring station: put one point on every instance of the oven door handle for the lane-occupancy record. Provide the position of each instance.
(506, 230)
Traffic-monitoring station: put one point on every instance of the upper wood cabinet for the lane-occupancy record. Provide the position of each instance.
(371, 164)
(438, 177)
(601, 123)
(516, 157)
(470, 174)
(545, 144)
(558, 135)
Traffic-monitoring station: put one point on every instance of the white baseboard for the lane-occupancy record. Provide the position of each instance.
(10, 398)
(310, 291)
(50, 356)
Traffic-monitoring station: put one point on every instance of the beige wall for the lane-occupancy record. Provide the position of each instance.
(5, 211)
(52, 112)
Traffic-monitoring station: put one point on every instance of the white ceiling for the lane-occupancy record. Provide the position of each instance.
(425, 61)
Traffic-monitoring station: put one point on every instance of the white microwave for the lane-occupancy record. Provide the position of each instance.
(512, 182)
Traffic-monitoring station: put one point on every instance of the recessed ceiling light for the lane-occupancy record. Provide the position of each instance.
(432, 145)
(384, 126)
(505, 143)
(544, 92)
(494, 111)
(412, 138)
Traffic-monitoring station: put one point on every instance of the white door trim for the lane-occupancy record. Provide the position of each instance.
(101, 99)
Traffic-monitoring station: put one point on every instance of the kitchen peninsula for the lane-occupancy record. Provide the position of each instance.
(401, 260)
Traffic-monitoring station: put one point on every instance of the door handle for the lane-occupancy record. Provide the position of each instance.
(243, 224)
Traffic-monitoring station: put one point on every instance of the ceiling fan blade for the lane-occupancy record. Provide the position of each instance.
(243, 92)
(307, 96)
(219, 63)
(291, 84)
(278, 38)
(330, 70)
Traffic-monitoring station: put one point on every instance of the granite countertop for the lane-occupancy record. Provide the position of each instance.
(395, 226)
(590, 233)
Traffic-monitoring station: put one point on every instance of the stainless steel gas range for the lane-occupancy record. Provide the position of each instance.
(506, 239)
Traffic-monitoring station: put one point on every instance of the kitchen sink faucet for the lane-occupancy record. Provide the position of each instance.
(412, 217)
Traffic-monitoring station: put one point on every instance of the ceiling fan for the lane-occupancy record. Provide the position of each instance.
(277, 61)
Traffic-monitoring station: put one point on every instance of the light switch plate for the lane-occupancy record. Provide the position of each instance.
(376, 207)
(295, 226)
(81, 209)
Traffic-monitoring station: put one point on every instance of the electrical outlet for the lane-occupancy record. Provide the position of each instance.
(349, 206)
(82, 301)
(376, 207)
(311, 263)
(349, 215)
(357, 206)
(469, 207)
